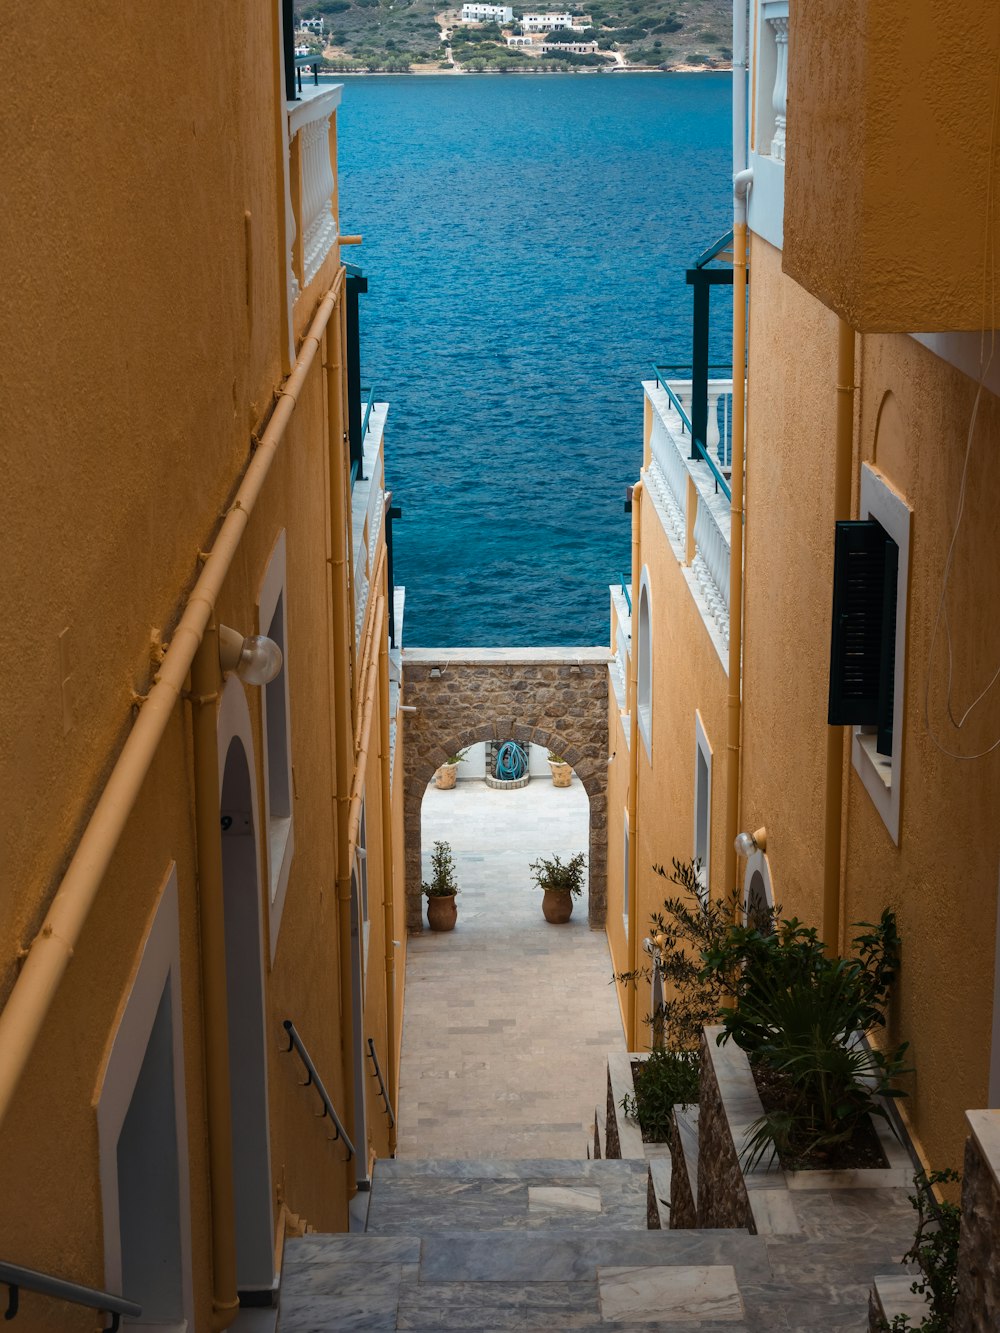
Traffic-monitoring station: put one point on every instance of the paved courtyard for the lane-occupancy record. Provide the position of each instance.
(507, 1019)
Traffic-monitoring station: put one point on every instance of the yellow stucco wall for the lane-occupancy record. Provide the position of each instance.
(888, 153)
(788, 562)
(143, 349)
(912, 415)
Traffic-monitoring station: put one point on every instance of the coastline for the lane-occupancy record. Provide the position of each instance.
(427, 70)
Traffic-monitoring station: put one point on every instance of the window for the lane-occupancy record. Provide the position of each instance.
(702, 804)
(868, 639)
(272, 618)
(361, 852)
(644, 647)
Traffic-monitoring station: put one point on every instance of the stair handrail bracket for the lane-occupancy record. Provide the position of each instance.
(381, 1082)
(14, 1277)
(329, 1110)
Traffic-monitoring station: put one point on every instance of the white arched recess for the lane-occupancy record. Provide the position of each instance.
(275, 704)
(642, 643)
(245, 992)
(142, 1133)
(757, 886)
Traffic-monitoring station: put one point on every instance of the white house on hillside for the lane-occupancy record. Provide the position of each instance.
(578, 48)
(487, 14)
(545, 22)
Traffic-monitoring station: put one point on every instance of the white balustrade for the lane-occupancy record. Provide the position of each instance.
(711, 565)
(309, 120)
(779, 97)
(670, 462)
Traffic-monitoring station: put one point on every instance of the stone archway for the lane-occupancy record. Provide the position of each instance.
(555, 697)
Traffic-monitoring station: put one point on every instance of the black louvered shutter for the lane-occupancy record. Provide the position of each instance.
(887, 672)
(862, 610)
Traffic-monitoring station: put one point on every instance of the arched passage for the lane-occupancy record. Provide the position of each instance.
(553, 697)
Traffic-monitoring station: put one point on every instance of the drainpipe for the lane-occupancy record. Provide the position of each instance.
(206, 688)
(387, 884)
(741, 186)
(843, 467)
(50, 951)
(633, 769)
(742, 180)
(346, 846)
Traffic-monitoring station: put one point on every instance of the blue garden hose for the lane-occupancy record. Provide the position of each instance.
(512, 762)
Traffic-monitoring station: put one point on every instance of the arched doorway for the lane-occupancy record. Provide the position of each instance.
(540, 744)
(247, 1049)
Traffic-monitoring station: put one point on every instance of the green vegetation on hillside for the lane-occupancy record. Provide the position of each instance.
(394, 35)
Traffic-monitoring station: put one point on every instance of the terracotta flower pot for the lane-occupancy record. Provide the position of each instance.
(557, 906)
(562, 774)
(441, 911)
(446, 776)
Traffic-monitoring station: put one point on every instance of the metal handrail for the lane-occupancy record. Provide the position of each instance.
(686, 421)
(13, 1277)
(626, 594)
(368, 411)
(311, 61)
(720, 479)
(381, 1083)
(339, 1132)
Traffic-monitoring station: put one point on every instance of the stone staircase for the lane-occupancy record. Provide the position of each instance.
(536, 1244)
(608, 1242)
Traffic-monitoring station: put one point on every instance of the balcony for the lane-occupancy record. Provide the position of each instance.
(368, 499)
(689, 487)
(312, 144)
(621, 645)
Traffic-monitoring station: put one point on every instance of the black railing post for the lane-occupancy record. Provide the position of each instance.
(699, 359)
(355, 285)
(391, 511)
(288, 47)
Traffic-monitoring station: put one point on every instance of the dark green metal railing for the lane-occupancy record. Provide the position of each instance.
(368, 410)
(697, 445)
(626, 594)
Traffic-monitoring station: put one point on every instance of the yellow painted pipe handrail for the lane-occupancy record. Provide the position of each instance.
(631, 1019)
(50, 951)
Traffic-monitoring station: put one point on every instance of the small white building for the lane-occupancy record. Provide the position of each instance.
(312, 25)
(519, 41)
(545, 22)
(487, 14)
(578, 48)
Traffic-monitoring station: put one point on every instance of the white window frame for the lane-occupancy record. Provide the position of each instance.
(643, 645)
(882, 776)
(157, 963)
(280, 832)
(703, 754)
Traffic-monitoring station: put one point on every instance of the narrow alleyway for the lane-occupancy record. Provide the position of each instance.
(508, 1019)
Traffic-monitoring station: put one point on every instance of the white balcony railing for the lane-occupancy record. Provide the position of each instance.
(312, 182)
(687, 492)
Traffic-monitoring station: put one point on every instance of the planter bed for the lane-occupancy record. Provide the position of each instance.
(761, 1199)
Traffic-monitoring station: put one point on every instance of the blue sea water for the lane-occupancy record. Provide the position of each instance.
(525, 244)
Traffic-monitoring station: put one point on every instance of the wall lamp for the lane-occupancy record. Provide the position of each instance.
(256, 659)
(748, 843)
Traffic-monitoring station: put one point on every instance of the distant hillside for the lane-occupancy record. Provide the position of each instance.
(407, 34)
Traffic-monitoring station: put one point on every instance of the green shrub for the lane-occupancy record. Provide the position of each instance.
(442, 882)
(665, 1080)
(935, 1249)
(550, 872)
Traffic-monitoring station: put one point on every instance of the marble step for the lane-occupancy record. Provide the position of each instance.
(518, 1280)
(412, 1197)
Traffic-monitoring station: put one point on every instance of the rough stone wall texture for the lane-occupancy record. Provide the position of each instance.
(722, 1193)
(556, 697)
(652, 1212)
(978, 1307)
(612, 1146)
(683, 1212)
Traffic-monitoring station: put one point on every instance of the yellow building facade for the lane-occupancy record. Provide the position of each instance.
(872, 395)
(201, 874)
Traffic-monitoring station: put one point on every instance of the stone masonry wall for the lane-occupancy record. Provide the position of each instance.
(978, 1307)
(556, 697)
(722, 1193)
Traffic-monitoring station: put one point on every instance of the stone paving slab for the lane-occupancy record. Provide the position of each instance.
(507, 1019)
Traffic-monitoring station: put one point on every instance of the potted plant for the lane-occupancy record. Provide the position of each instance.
(562, 773)
(561, 882)
(441, 889)
(448, 771)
